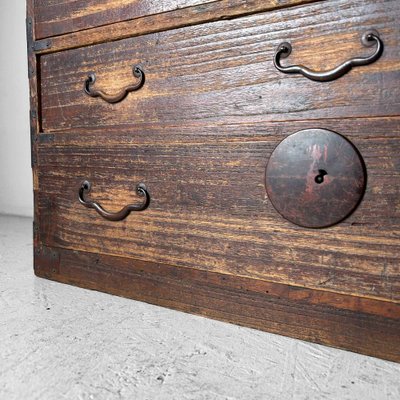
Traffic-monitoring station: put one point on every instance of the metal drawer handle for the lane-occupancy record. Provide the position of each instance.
(368, 39)
(120, 215)
(91, 79)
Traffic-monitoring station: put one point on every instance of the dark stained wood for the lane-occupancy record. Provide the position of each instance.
(34, 112)
(213, 188)
(205, 12)
(57, 17)
(363, 325)
(199, 135)
(223, 72)
(315, 178)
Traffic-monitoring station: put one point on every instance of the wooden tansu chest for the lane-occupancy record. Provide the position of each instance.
(234, 159)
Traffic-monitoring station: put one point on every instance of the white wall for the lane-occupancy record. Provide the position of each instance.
(16, 195)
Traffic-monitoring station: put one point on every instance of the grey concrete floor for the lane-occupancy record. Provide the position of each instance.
(62, 342)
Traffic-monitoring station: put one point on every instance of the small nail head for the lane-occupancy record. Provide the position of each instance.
(92, 77)
(368, 38)
(285, 49)
(86, 185)
(137, 71)
(141, 189)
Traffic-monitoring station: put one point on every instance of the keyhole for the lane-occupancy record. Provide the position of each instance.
(320, 177)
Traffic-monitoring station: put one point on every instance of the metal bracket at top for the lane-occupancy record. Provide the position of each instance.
(35, 45)
(40, 45)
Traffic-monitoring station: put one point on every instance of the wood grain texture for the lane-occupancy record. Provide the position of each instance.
(57, 17)
(34, 100)
(315, 178)
(342, 321)
(205, 12)
(210, 210)
(199, 135)
(223, 71)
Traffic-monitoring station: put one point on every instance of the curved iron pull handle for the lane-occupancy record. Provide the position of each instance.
(368, 39)
(91, 79)
(120, 215)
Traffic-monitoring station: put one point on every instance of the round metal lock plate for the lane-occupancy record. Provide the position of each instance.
(315, 178)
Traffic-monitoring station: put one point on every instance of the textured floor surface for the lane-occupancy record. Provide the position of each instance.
(62, 342)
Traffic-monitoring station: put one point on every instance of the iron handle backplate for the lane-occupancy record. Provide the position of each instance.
(124, 212)
(368, 39)
(91, 79)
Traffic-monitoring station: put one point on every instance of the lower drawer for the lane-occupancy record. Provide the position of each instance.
(211, 242)
(209, 208)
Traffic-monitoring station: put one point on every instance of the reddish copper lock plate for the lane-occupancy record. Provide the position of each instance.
(315, 178)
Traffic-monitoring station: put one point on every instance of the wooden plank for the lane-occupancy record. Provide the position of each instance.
(124, 27)
(34, 111)
(223, 72)
(57, 17)
(363, 325)
(210, 210)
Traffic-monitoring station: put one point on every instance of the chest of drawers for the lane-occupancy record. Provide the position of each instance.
(177, 160)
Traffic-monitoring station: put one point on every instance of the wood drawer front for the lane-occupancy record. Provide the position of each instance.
(57, 17)
(223, 71)
(209, 209)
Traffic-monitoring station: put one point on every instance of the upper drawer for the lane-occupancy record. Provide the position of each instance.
(56, 17)
(224, 71)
